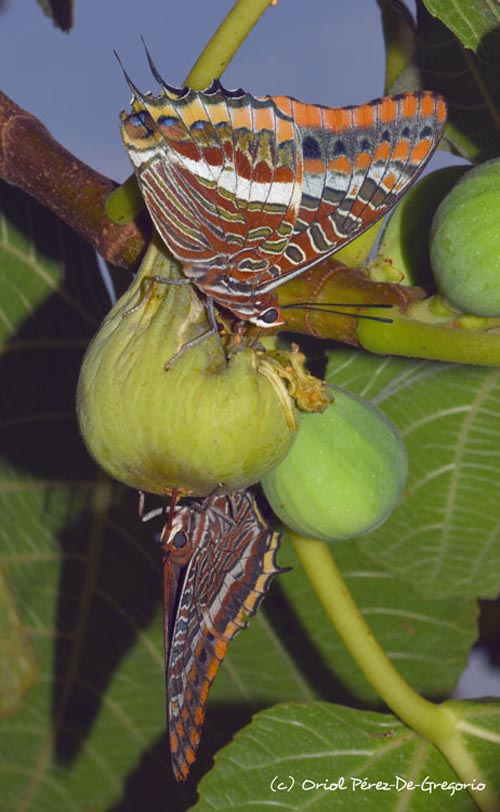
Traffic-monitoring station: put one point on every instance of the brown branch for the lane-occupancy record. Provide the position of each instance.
(32, 160)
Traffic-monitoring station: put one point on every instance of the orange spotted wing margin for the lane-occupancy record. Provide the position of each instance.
(223, 552)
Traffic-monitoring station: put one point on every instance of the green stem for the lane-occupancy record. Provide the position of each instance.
(436, 723)
(465, 766)
(415, 339)
(229, 36)
(332, 591)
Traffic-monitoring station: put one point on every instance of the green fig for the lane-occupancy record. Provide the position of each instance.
(403, 253)
(465, 242)
(206, 421)
(344, 474)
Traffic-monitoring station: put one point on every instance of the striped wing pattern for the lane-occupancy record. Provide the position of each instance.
(224, 553)
(248, 192)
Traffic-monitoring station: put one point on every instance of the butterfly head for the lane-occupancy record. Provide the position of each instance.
(259, 308)
(177, 537)
(268, 317)
(263, 315)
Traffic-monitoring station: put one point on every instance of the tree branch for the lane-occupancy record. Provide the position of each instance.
(32, 160)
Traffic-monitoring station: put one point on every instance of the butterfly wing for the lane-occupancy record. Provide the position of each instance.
(357, 163)
(232, 565)
(219, 171)
(248, 192)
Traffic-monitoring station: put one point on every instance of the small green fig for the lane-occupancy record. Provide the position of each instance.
(344, 474)
(207, 421)
(403, 253)
(465, 242)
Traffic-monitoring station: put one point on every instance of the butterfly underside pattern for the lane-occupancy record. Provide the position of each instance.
(248, 192)
(219, 558)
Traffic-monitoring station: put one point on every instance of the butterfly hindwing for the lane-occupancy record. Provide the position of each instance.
(232, 553)
(218, 171)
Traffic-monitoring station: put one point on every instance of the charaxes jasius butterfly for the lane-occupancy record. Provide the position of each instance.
(248, 192)
(219, 558)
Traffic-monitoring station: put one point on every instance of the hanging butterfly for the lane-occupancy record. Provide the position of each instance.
(249, 192)
(219, 558)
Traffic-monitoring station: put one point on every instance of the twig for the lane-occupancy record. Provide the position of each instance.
(32, 160)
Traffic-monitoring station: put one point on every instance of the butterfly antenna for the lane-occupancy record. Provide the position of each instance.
(330, 307)
(135, 90)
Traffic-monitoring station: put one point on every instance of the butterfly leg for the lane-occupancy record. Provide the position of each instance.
(214, 330)
(151, 514)
(148, 287)
(165, 510)
(209, 503)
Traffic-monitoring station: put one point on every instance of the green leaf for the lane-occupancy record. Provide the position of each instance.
(444, 536)
(61, 12)
(125, 202)
(326, 757)
(476, 23)
(18, 663)
(469, 81)
(438, 60)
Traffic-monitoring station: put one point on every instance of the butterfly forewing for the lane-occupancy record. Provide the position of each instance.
(232, 560)
(357, 162)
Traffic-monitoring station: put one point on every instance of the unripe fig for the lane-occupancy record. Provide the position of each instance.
(205, 422)
(403, 253)
(465, 242)
(356, 253)
(344, 474)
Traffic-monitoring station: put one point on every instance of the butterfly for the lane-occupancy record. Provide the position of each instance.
(219, 558)
(249, 192)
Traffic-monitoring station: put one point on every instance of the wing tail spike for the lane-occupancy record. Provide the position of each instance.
(172, 90)
(154, 70)
(137, 94)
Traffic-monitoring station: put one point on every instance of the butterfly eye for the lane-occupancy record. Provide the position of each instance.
(269, 316)
(179, 540)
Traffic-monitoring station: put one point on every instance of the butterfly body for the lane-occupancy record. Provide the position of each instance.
(249, 192)
(219, 558)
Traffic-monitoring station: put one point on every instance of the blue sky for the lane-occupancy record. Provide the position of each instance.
(326, 51)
